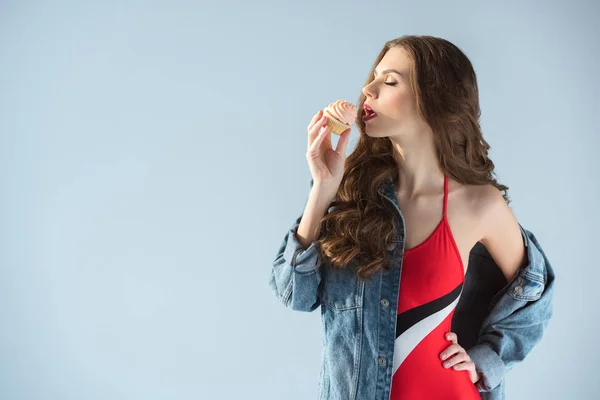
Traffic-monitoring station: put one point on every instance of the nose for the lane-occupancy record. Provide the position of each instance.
(368, 90)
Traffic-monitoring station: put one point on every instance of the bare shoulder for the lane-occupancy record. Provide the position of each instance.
(478, 202)
(497, 229)
(477, 198)
(487, 198)
(479, 213)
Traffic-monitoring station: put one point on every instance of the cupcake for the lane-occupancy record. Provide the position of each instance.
(340, 115)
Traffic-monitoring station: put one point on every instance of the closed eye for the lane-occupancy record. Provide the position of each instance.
(390, 83)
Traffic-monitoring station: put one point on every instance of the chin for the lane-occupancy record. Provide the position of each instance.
(376, 133)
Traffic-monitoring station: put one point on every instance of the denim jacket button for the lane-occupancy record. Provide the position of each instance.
(385, 302)
(518, 290)
(391, 246)
(382, 361)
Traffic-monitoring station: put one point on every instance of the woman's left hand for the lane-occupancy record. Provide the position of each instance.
(461, 361)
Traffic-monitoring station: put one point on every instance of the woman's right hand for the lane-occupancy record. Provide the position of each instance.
(326, 165)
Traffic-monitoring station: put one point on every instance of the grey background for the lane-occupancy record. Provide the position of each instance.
(152, 156)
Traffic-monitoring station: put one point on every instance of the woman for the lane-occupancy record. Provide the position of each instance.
(384, 241)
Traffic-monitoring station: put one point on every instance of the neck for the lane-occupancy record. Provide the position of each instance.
(419, 171)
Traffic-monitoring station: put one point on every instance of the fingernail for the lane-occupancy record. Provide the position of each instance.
(443, 356)
(446, 364)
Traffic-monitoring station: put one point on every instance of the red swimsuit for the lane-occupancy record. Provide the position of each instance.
(430, 287)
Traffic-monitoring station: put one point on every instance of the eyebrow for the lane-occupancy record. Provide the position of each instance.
(386, 71)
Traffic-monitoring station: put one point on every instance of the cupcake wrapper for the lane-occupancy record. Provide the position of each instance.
(336, 126)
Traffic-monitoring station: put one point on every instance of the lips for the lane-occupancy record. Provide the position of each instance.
(369, 113)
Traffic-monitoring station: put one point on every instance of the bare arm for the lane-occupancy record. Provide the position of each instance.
(318, 203)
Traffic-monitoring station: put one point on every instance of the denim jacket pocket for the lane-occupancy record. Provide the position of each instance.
(527, 286)
(341, 290)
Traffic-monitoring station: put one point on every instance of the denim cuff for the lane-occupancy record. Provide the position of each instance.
(303, 261)
(489, 365)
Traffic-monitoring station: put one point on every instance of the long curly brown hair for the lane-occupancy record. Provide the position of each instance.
(444, 85)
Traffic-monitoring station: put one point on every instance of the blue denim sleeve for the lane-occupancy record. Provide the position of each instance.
(516, 323)
(295, 275)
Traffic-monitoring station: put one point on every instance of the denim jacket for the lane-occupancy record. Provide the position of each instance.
(497, 322)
